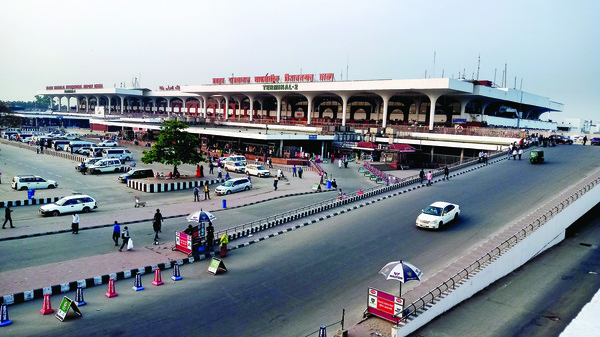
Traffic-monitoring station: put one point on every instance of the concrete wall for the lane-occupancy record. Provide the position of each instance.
(548, 235)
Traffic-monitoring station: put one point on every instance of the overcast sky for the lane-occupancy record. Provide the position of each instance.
(552, 47)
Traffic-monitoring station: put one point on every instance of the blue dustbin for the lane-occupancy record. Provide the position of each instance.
(308, 163)
(30, 194)
(224, 203)
(328, 183)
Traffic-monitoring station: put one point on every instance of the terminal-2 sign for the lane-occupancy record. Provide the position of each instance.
(326, 77)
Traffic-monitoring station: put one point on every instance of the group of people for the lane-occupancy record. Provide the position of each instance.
(206, 190)
(429, 175)
(514, 151)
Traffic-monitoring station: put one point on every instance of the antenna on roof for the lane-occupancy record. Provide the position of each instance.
(478, 65)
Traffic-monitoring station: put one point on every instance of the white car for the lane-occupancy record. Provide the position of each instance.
(257, 170)
(108, 143)
(438, 214)
(31, 182)
(234, 185)
(71, 204)
(237, 167)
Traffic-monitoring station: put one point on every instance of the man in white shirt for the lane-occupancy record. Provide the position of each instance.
(75, 224)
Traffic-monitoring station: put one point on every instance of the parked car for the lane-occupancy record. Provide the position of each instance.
(117, 153)
(234, 185)
(235, 159)
(560, 139)
(438, 214)
(108, 143)
(257, 170)
(237, 167)
(31, 182)
(88, 162)
(106, 165)
(595, 141)
(71, 204)
(71, 136)
(136, 174)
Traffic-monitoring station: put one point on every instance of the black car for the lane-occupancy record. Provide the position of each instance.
(560, 139)
(136, 174)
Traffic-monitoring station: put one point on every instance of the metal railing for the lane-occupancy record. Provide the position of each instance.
(295, 214)
(495, 252)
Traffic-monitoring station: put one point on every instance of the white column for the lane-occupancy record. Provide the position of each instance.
(463, 106)
(251, 98)
(309, 107)
(226, 108)
(433, 99)
(344, 108)
(386, 100)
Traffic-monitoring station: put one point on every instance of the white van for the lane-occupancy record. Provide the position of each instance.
(235, 159)
(117, 153)
(107, 165)
(74, 145)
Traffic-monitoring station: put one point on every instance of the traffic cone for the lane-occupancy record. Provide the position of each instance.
(4, 316)
(137, 284)
(111, 289)
(79, 297)
(47, 307)
(157, 278)
(176, 276)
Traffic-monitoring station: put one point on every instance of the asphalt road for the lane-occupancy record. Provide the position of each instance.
(537, 300)
(293, 283)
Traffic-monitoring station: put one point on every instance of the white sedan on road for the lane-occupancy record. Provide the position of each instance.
(438, 214)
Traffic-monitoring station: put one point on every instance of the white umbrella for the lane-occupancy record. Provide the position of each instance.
(201, 216)
(402, 272)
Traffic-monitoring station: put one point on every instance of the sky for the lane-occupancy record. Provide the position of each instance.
(549, 48)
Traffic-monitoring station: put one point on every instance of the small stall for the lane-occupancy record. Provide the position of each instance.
(193, 239)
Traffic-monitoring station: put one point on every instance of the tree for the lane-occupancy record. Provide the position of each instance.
(174, 147)
(7, 118)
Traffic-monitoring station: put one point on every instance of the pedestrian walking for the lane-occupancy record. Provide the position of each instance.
(206, 192)
(82, 168)
(340, 163)
(300, 170)
(514, 153)
(520, 152)
(201, 171)
(279, 174)
(510, 150)
(270, 163)
(7, 217)
(584, 140)
(116, 233)
(485, 158)
(446, 173)
(75, 224)
(275, 183)
(157, 224)
(196, 194)
(198, 174)
(125, 236)
(422, 175)
(219, 172)
(294, 171)
(211, 168)
(429, 177)
(210, 236)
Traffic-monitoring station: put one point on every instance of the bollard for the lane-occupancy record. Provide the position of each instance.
(224, 203)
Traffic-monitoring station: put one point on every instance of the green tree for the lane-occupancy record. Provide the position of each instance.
(42, 102)
(174, 147)
(7, 118)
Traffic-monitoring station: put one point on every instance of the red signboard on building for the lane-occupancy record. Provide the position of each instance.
(384, 305)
